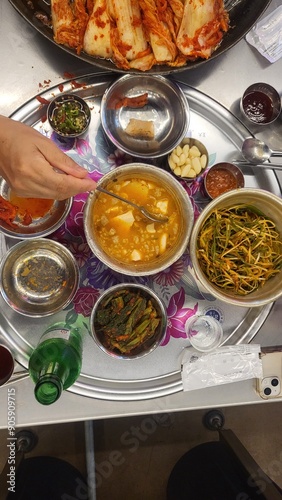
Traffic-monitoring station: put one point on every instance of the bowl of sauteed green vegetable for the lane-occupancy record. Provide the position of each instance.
(236, 247)
(69, 115)
(128, 321)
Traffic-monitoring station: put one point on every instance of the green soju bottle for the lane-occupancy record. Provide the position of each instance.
(55, 363)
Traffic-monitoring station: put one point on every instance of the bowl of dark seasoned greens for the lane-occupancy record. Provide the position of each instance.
(236, 247)
(69, 115)
(128, 321)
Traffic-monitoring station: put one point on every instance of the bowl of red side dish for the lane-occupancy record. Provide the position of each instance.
(27, 218)
(223, 177)
(121, 237)
(236, 247)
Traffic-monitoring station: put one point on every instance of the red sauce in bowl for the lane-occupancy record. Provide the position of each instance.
(35, 207)
(258, 107)
(219, 181)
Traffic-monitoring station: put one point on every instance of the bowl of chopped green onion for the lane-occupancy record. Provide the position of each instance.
(236, 247)
(69, 115)
(128, 321)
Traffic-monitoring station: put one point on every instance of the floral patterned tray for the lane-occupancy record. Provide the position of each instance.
(158, 373)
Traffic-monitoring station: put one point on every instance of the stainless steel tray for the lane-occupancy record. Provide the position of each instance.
(158, 373)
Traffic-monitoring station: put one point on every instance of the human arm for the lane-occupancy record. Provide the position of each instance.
(28, 162)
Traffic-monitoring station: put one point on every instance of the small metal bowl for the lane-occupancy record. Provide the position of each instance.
(260, 104)
(83, 110)
(146, 347)
(223, 177)
(39, 227)
(149, 131)
(38, 277)
(181, 159)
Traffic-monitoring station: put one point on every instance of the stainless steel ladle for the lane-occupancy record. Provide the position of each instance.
(143, 210)
(256, 151)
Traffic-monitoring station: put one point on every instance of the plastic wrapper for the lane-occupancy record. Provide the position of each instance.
(224, 365)
(266, 36)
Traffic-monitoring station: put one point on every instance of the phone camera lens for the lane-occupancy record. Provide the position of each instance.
(274, 382)
(267, 391)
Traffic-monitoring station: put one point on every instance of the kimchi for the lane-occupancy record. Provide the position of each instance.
(140, 34)
(202, 27)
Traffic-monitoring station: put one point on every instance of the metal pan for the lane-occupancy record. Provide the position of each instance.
(243, 15)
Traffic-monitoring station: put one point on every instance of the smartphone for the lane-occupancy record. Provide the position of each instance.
(270, 385)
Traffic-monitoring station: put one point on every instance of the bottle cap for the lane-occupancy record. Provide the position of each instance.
(48, 389)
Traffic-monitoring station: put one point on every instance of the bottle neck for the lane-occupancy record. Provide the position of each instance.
(48, 389)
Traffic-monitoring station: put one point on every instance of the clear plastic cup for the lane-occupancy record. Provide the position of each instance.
(204, 332)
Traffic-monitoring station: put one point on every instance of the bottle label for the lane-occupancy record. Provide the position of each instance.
(58, 333)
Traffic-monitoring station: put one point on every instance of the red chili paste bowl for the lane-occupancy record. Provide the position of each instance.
(223, 177)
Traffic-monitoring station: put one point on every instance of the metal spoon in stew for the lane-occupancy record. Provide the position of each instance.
(149, 215)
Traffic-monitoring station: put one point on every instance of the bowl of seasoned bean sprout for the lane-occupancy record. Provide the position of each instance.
(236, 247)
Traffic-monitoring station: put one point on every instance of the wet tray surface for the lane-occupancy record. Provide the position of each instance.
(158, 373)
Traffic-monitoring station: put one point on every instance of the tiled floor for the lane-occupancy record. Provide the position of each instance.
(134, 456)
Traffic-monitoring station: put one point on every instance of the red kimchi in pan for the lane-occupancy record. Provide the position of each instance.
(140, 34)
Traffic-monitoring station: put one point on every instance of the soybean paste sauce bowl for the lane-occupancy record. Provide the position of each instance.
(69, 115)
(128, 336)
(255, 250)
(121, 237)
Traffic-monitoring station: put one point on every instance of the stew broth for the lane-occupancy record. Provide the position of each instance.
(123, 232)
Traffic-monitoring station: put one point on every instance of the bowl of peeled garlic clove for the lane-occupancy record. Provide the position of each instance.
(189, 159)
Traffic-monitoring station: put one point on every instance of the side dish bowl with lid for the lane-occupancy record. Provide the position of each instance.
(236, 247)
(121, 237)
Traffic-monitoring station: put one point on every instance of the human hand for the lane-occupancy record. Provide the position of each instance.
(32, 164)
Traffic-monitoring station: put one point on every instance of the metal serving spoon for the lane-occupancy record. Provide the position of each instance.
(149, 215)
(256, 151)
(262, 166)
